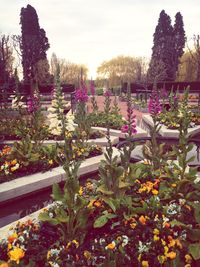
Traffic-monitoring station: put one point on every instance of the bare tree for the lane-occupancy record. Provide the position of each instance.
(195, 54)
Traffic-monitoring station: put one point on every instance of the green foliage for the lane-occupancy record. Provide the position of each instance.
(100, 119)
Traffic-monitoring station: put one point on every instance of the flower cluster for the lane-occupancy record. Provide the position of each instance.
(32, 104)
(8, 167)
(81, 95)
(125, 128)
(154, 105)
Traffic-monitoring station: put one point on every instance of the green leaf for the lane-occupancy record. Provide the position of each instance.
(177, 223)
(44, 217)
(102, 220)
(110, 202)
(194, 250)
(57, 192)
(103, 190)
(138, 172)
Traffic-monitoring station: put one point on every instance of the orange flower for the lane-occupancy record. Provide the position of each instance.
(111, 245)
(171, 255)
(173, 185)
(166, 225)
(142, 220)
(12, 237)
(145, 264)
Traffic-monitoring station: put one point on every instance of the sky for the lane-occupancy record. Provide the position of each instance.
(92, 31)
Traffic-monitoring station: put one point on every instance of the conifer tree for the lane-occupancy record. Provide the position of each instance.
(179, 39)
(34, 43)
(167, 48)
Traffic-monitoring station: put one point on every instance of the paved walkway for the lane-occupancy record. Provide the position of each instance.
(121, 104)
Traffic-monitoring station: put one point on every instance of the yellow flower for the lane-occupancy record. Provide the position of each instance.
(171, 255)
(156, 231)
(172, 243)
(16, 254)
(133, 225)
(163, 242)
(188, 265)
(161, 259)
(4, 264)
(80, 191)
(48, 254)
(173, 185)
(87, 254)
(14, 168)
(156, 238)
(154, 192)
(166, 249)
(139, 257)
(50, 162)
(145, 264)
(188, 258)
(111, 245)
(76, 243)
(13, 162)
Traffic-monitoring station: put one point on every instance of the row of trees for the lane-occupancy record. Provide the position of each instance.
(168, 61)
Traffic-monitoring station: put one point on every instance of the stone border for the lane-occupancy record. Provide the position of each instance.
(102, 141)
(140, 132)
(165, 132)
(27, 184)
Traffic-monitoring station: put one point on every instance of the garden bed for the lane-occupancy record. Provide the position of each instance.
(30, 183)
(165, 132)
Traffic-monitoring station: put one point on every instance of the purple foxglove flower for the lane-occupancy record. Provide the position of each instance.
(124, 128)
(154, 105)
(81, 95)
(32, 104)
(107, 93)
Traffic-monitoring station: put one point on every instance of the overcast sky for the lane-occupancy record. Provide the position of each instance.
(91, 31)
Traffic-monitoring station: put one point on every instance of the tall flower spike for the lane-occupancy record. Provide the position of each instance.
(154, 104)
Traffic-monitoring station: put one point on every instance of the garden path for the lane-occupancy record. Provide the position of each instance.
(121, 104)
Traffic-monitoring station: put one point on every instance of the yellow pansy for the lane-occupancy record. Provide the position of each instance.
(156, 238)
(161, 259)
(154, 192)
(156, 231)
(188, 258)
(171, 255)
(145, 264)
(80, 191)
(16, 254)
(87, 254)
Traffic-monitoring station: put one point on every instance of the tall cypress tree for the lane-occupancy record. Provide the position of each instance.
(179, 39)
(34, 43)
(160, 67)
(167, 50)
